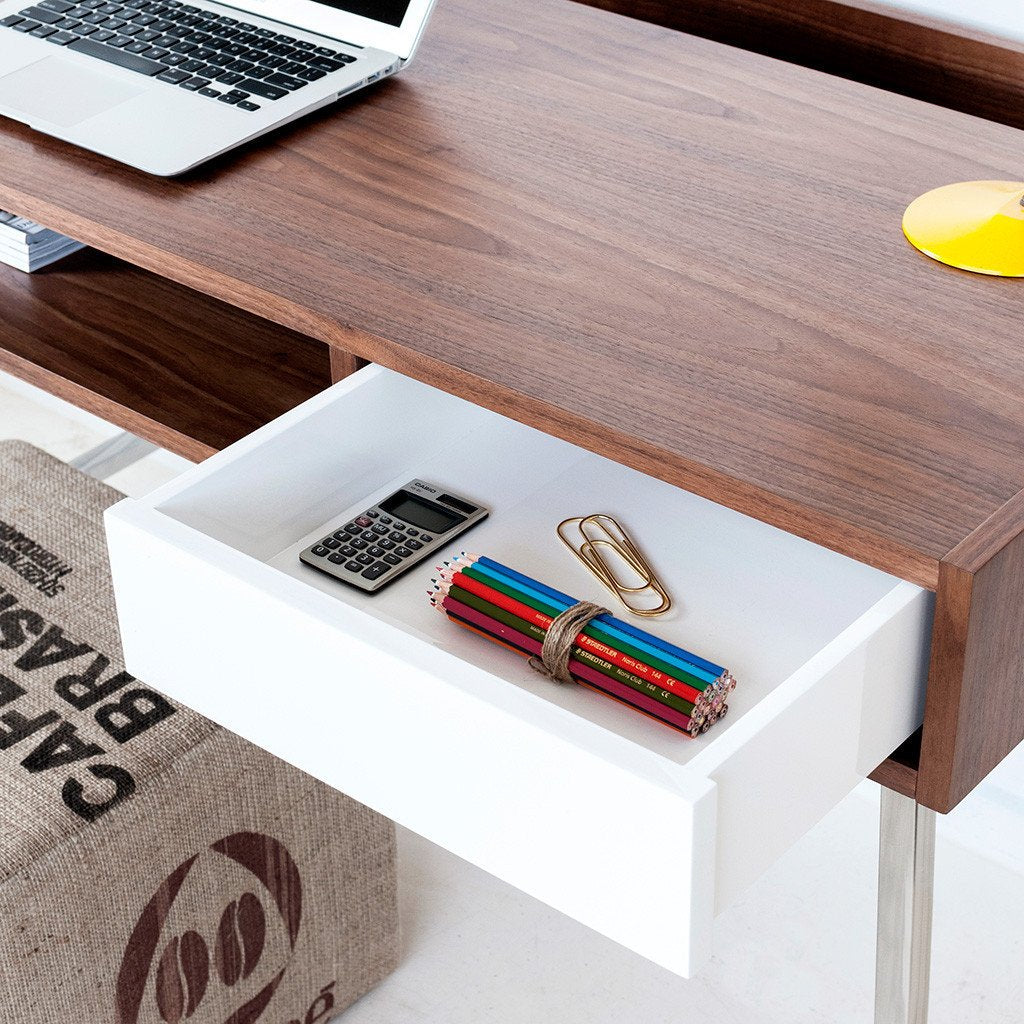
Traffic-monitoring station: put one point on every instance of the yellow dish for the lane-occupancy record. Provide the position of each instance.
(973, 225)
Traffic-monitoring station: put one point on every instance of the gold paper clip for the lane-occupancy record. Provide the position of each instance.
(599, 532)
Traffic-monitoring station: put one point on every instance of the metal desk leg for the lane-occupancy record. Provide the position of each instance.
(110, 457)
(906, 881)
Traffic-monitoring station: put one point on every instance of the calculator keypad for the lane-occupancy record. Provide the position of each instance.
(370, 546)
(362, 542)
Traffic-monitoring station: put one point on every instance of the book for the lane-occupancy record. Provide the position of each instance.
(28, 246)
(22, 230)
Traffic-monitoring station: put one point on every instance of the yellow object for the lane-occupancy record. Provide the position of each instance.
(973, 225)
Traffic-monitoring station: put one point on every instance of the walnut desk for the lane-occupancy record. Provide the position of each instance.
(679, 256)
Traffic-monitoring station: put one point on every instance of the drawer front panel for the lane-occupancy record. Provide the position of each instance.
(628, 855)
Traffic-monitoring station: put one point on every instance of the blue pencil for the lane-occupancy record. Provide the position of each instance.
(684, 659)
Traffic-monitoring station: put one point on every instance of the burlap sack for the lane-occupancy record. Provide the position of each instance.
(154, 867)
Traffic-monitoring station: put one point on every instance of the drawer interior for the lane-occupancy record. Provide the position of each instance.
(552, 788)
(748, 596)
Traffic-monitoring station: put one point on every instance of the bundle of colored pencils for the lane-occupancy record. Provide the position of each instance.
(610, 656)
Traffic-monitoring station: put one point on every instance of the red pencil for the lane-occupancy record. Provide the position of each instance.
(582, 673)
(588, 643)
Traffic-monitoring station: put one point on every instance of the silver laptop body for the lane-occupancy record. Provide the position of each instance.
(137, 81)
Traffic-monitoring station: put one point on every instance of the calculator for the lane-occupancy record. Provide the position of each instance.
(377, 546)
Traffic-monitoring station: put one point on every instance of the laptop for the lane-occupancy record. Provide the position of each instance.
(165, 85)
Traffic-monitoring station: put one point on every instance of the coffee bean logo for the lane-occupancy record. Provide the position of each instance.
(181, 977)
(240, 938)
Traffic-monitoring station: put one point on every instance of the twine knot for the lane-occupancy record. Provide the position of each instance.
(556, 653)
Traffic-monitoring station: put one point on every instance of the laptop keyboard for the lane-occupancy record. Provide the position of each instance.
(221, 58)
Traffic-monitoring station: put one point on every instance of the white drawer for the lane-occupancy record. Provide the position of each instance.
(614, 819)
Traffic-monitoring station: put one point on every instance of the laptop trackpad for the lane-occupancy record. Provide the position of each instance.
(62, 92)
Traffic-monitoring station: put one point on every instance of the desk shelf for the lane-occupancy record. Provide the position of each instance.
(182, 370)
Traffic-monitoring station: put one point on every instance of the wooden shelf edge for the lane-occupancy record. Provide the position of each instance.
(899, 777)
(173, 366)
(113, 412)
(899, 771)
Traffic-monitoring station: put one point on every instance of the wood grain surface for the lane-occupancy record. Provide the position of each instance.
(893, 49)
(679, 255)
(184, 371)
(975, 715)
(900, 771)
(682, 256)
(344, 364)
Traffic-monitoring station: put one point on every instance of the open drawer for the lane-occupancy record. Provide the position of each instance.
(614, 819)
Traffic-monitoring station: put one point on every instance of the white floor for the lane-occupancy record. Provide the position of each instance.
(798, 948)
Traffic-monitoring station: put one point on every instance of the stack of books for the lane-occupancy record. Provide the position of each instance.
(28, 246)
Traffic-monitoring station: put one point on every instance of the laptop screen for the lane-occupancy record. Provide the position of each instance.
(393, 26)
(391, 12)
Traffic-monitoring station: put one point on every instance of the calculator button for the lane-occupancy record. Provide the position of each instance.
(320, 551)
(386, 520)
(373, 515)
(355, 542)
(414, 544)
(375, 571)
(393, 559)
(398, 538)
(353, 528)
(400, 526)
(379, 528)
(354, 567)
(412, 533)
(363, 521)
(330, 542)
(335, 558)
(348, 551)
(385, 543)
(364, 559)
(425, 538)
(341, 535)
(403, 552)
(375, 551)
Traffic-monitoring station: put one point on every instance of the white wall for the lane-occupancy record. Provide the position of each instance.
(1000, 17)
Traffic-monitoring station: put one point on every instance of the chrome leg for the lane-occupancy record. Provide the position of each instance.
(906, 882)
(110, 457)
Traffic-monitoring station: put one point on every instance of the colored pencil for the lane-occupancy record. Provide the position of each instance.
(647, 651)
(691, 733)
(565, 601)
(463, 597)
(612, 657)
(594, 679)
(592, 637)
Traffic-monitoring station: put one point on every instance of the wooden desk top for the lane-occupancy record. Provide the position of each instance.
(682, 256)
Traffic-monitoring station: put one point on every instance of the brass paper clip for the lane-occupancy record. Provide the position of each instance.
(601, 534)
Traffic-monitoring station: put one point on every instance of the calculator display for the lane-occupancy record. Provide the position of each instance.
(420, 514)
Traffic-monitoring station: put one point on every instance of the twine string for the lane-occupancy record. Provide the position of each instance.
(556, 653)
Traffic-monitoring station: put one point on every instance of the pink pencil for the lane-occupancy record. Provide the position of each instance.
(585, 673)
